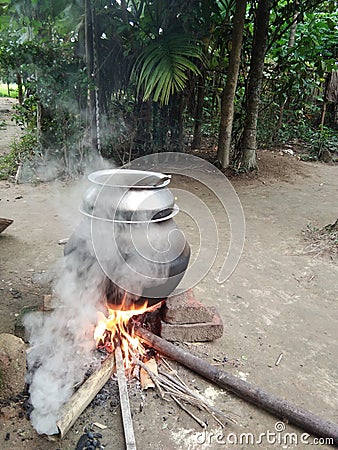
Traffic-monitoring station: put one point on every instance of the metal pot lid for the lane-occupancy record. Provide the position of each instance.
(129, 178)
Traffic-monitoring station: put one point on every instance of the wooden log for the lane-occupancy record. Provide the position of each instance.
(4, 223)
(84, 395)
(275, 405)
(47, 303)
(145, 380)
(129, 435)
(18, 174)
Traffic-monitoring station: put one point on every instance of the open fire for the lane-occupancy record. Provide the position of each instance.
(118, 328)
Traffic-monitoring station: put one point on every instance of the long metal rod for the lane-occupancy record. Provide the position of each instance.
(247, 391)
(124, 401)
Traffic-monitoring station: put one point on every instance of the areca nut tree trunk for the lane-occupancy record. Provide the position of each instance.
(229, 91)
(90, 63)
(197, 137)
(248, 143)
(291, 43)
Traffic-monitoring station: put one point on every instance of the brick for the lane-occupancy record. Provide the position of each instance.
(46, 306)
(185, 309)
(194, 332)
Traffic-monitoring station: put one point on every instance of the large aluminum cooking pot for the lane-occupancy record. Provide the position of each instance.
(129, 230)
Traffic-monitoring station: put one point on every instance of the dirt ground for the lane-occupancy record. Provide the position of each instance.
(276, 301)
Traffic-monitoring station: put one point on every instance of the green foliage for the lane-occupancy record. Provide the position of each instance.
(22, 150)
(164, 64)
(26, 146)
(8, 165)
(320, 140)
(169, 45)
(25, 114)
(295, 75)
(313, 141)
(54, 91)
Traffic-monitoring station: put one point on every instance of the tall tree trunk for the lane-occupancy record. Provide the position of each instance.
(248, 143)
(331, 96)
(160, 126)
(20, 87)
(143, 114)
(291, 43)
(38, 121)
(91, 104)
(229, 91)
(176, 123)
(293, 29)
(197, 138)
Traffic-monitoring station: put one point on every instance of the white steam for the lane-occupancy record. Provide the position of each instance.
(61, 343)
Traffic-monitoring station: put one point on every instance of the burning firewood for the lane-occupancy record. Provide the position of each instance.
(145, 379)
(84, 395)
(115, 335)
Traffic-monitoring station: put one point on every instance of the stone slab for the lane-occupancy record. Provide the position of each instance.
(185, 309)
(194, 332)
(12, 365)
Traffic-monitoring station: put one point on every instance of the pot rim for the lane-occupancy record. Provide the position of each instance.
(94, 177)
(174, 212)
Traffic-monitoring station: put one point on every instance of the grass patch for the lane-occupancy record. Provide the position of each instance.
(9, 164)
(13, 90)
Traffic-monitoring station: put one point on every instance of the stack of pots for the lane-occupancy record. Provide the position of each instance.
(129, 218)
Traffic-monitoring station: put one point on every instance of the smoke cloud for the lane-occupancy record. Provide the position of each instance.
(61, 343)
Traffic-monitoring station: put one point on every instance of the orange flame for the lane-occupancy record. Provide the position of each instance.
(117, 326)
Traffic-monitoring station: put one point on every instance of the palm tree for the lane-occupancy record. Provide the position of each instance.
(163, 67)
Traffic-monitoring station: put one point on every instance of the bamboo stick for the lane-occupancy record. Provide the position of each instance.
(84, 395)
(124, 401)
(253, 394)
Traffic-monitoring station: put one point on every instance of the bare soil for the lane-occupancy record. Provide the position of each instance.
(277, 301)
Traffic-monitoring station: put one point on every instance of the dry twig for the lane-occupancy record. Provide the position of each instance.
(322, 242)
(175, 388)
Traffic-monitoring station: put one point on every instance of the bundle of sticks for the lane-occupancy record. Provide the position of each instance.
(171, 386)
